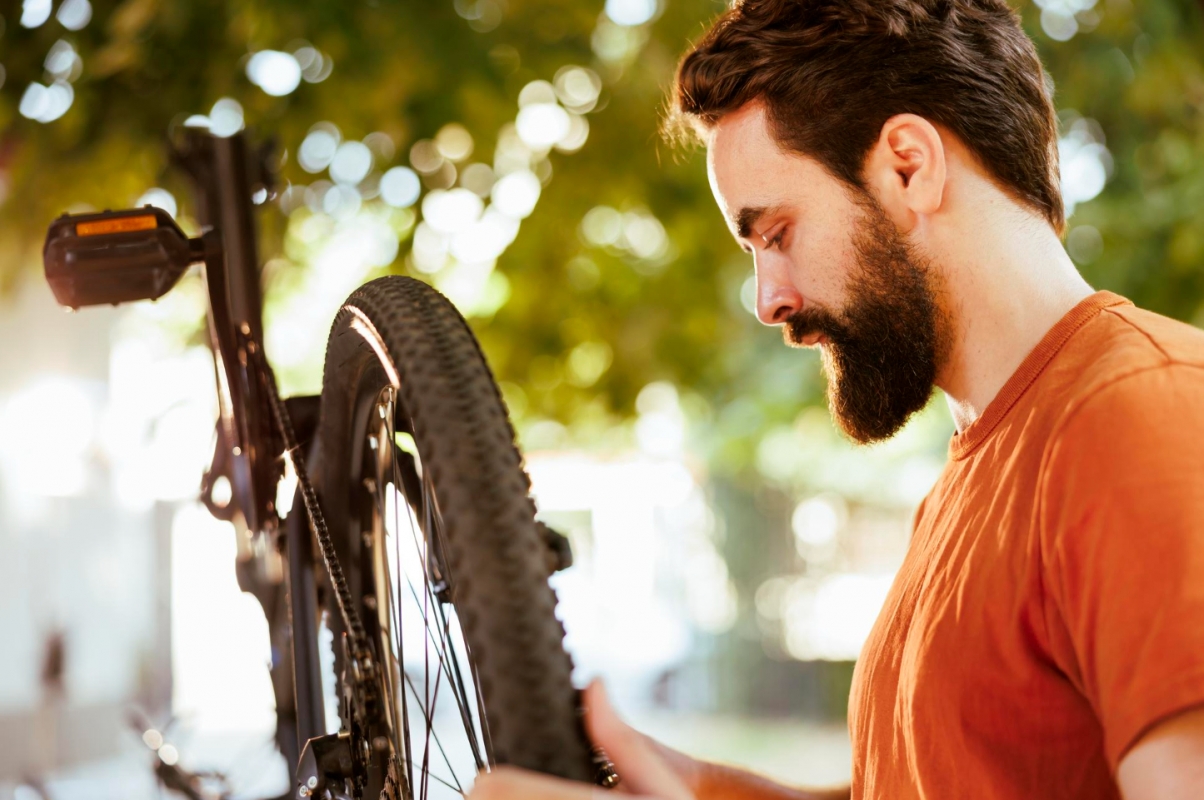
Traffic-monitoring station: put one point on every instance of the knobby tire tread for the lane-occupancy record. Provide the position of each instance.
(497, 558)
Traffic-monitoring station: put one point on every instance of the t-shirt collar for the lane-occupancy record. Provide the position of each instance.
(964, 443)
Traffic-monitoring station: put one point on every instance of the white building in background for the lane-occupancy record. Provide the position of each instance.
(73, 562)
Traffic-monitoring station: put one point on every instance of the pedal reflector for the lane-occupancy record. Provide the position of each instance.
(118, 225)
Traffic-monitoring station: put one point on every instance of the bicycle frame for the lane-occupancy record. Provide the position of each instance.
(225, 175)
(113, 257)
(223, 181)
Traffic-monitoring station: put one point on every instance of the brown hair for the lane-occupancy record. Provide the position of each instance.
(831, 72)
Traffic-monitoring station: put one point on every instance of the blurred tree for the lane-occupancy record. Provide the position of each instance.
(584, 325)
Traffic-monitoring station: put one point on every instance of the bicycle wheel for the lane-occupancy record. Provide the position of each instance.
(429, 506)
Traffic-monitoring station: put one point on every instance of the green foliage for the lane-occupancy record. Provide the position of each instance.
(584, 327)
(1140, 74)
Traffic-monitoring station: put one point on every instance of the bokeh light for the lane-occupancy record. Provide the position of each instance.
(74, 15)
(63, 62)
(1084, 243)
(451, 211)
(454, 142)
(478, 179)
(602, 226)
(160, 198)
(351, 163)
(748, 294)
(275, 72)
(644, 235)
(485, 239)
(482, 15)
(319, 146)
(382, 146)
(1084, 160)
(631, 12)
(516, 194)
(169, 755)
(430, 249)
(400, 187)
(425, 156)
(539, 91)
(341, 202)
(588, 362)
(512, 154)
(315, 66)
(34, 13)
(1061, 19)
(542, 125)
(816, 522)
(46, 103)
(617, 44)
(576, 135)
(578, 88)
(226, 117)
(152, 738)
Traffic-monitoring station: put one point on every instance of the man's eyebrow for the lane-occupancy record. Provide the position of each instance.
(748, 216)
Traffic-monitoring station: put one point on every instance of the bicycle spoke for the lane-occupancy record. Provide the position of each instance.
(395, 608)
(426, 696)
(457, 683)
(455, 677)
(429, 501)
(394, 480)
(441, 645)
(455, 789)
(428, 594)
(426, 747)
(409, 682)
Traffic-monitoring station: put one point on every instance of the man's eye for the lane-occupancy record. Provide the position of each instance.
(776, 241)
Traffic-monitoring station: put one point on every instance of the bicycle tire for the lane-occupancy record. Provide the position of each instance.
(400, 331)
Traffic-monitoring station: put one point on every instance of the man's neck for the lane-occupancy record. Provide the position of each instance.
(1003, 291)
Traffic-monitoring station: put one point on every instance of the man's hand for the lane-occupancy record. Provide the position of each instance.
(646, 769)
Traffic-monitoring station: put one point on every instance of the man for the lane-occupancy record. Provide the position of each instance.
(892, 167)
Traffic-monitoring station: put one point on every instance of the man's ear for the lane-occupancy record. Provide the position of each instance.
(906, 169)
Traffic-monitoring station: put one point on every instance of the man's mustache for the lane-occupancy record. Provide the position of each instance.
(810, 321)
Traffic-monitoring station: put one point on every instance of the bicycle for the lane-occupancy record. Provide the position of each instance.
(412, 488)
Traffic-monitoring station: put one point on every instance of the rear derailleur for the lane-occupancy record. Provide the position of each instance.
(341, 766)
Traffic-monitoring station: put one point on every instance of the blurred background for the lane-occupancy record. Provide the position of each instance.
(732, 549)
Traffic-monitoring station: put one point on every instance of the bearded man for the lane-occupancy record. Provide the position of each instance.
(891, 165)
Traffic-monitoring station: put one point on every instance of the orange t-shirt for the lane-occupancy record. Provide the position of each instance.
(1050, 608)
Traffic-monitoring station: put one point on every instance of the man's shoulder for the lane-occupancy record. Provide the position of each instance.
(1129, 351)
(1177, 342)
(1133, 370)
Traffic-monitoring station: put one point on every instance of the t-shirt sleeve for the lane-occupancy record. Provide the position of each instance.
(1122, 534)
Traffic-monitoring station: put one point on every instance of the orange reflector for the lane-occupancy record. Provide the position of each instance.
(117, 225)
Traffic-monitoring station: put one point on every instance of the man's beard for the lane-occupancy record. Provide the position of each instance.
(886, 345)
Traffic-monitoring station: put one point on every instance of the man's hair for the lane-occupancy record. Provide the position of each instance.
(831, 72)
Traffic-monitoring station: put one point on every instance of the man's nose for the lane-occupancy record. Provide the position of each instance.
(777, 298)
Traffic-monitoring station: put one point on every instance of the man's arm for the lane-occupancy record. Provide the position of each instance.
(648, 769)
(1123, 563)
(708, 781)
(1168, 761)
(725, 783)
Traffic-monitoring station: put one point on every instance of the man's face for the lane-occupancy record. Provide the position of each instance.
(835, 272)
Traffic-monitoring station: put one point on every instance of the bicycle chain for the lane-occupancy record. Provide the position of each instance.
(361, 660)
(351, 618)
